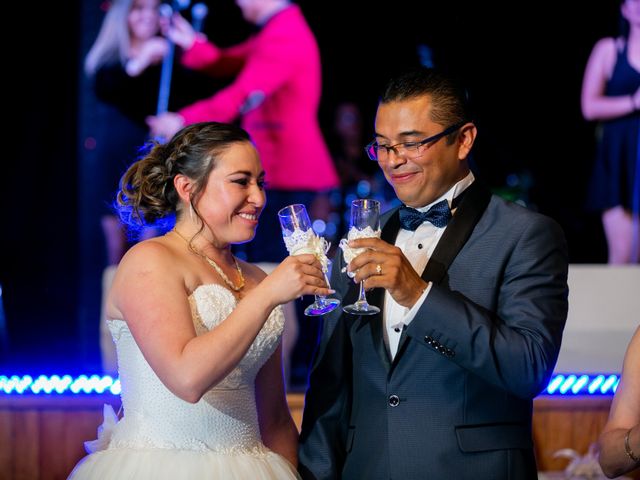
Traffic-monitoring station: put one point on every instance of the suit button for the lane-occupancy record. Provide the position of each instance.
(394, 400)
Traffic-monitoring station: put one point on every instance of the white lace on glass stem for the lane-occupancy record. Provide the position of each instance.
(299, 242)
(350, 253)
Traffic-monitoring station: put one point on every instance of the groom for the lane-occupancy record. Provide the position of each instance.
(473, 299)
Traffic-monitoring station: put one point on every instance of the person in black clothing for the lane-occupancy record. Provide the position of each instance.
(611, 95)
(124, 65)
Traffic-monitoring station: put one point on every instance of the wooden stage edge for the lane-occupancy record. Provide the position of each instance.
(41, 436)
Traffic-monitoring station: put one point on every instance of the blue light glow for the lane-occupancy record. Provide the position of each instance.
(568, 382)
(554, 384)
(580, 383)
(363, 189)
(56, 384)
(559, 385)
(595, 384)
(319, 226)
(611, 383)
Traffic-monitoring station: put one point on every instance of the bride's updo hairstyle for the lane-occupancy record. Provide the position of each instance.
(147, 194)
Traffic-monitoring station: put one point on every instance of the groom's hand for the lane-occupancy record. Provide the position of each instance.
(385, 266)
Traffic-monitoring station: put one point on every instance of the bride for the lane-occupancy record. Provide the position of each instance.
(198, 331)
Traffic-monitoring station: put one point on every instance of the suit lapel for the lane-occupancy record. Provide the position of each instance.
(475, 201)
(389, 234)
(468, 213)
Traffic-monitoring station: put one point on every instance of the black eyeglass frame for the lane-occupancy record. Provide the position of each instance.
(371, 148)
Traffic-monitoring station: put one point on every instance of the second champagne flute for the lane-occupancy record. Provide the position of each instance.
(365, 223)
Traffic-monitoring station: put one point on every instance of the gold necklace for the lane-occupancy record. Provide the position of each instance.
(216, 267)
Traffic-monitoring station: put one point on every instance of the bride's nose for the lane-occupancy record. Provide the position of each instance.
(257, 196)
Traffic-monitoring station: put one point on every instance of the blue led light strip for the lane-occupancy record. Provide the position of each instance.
(564, 384)
(55, 384)
(582, 384)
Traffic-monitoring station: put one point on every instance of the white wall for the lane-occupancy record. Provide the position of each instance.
(604, 311)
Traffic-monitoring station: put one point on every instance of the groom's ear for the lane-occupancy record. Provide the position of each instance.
(184, 186)
(466, 139)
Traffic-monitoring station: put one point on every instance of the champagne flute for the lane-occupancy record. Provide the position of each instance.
(299, 239)
(365, 223)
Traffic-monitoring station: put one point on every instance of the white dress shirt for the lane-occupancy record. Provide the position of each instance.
(417, 246)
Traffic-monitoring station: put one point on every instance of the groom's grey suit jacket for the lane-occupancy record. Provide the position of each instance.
(456, 402)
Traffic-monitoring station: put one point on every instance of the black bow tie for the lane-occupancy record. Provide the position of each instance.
(439, 215)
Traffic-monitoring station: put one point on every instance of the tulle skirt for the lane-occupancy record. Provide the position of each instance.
(161, 464)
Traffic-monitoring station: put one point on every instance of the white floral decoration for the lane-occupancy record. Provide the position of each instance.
(350, 253)
(582, 466)
(300, 242)
(105, 431)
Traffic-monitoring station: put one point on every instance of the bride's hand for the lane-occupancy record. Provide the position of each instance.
(296, 276)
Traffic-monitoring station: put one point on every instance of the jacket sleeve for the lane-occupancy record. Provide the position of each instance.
(322, 451)
(205, 56)
(516, 346)
(270, 62)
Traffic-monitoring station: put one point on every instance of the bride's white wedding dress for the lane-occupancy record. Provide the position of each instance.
(163, 437)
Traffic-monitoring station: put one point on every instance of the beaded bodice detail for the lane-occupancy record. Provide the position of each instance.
(224, 420)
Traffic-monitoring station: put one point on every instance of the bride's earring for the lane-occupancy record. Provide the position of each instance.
(191, 213)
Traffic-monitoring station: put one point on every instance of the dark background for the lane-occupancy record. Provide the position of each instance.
(523, 64)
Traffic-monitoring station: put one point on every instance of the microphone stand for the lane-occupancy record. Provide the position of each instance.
(198, 13)
(167, 63)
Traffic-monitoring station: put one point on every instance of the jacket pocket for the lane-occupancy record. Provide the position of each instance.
(495, 436)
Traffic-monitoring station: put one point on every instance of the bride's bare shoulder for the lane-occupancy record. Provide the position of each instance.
(157, 251)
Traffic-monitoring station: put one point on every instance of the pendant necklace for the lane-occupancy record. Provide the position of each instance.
(216, 267)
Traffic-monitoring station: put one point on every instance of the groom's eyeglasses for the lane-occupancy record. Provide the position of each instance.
(408, 150)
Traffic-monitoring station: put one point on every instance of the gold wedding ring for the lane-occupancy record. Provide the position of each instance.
(378, 269)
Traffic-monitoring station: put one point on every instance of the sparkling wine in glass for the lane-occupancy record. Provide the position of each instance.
(299, 239)
(365, 223)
